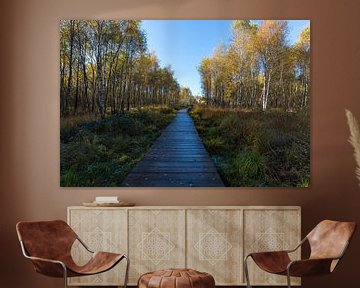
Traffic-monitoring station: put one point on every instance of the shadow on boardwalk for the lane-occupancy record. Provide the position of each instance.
(177, 158)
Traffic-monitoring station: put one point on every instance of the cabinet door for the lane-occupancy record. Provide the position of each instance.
(214, 244)
(270, 230)
(156, 240)
(101, 230)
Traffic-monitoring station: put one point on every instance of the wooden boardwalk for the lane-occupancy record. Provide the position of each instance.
(177, 158)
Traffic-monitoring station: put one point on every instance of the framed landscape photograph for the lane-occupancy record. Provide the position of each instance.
(185, 103)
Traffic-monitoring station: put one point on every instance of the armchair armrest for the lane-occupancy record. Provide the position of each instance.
(49, 267)
(83, 244)
(298, 246)
(280, 252)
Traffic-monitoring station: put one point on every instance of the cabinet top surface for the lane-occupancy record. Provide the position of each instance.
(192, 207)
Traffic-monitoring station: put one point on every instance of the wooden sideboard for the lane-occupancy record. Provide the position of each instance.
(212, 239)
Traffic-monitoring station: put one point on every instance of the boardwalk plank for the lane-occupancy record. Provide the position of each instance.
(167, 158)
(176, 179)
(175, 169)
(178, 158)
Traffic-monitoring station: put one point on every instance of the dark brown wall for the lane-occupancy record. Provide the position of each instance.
(29, 119)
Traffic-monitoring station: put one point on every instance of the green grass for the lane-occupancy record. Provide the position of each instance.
(257, 149)
(101, 152)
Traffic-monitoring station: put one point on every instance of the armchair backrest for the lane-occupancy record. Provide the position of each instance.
(329, 239)
(46, 239)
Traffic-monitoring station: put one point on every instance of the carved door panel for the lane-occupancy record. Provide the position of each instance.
(156, 240)
(214, 244)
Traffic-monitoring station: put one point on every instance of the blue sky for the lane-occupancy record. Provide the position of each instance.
(183, 43)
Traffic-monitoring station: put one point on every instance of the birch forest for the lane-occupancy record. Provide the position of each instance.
(105, 68)
(259, 70)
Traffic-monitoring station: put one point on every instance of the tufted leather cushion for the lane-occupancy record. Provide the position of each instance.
(176, 278)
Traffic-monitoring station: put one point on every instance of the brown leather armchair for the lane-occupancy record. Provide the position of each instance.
(48, 245)
(328, 242)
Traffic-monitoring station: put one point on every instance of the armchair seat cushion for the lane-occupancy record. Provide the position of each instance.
(99, 262)
(272, 262)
